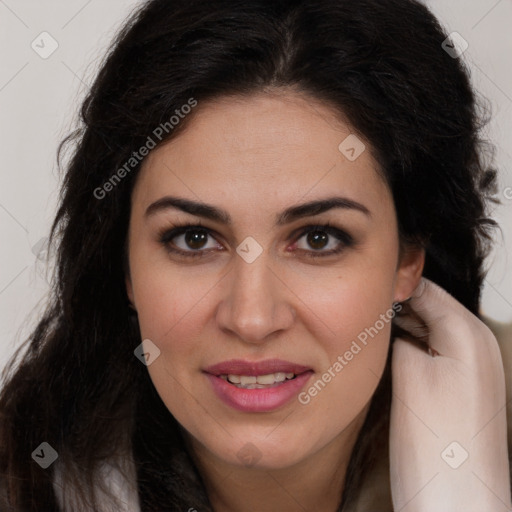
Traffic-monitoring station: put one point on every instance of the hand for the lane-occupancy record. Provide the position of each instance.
(448, 432)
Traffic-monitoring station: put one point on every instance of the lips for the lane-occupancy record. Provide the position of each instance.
(258, 399)
(241, 367)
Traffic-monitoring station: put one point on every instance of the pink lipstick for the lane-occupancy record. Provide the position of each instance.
(257, 386)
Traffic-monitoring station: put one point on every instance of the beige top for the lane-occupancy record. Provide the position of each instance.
(375, 493)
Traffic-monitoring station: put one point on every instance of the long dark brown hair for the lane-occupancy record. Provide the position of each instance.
(380, 63)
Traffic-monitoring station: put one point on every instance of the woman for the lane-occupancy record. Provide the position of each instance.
(256, 192)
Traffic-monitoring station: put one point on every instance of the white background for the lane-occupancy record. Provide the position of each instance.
(39, 100)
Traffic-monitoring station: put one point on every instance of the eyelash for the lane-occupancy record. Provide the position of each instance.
(166, 235)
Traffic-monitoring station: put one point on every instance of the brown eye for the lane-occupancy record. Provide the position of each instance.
(189, 240)
(323, 241)
(317, 239)
(196, 239)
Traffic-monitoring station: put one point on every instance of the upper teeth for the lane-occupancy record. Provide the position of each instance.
(270, 378)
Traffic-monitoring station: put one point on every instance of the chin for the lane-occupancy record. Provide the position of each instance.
(264, 454)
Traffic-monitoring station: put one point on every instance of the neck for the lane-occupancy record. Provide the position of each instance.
(314, 483)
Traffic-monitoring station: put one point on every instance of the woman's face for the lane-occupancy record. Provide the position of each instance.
(251, 292)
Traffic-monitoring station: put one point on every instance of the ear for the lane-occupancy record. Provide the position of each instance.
(410, 267)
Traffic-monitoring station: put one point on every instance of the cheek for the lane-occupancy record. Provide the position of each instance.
(175, 308)
(356, 358)
(166, 294)
(353, 315)
(341, 305)
(171, 313)
(355, 349)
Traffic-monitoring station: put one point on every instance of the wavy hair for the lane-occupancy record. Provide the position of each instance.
(379, 63)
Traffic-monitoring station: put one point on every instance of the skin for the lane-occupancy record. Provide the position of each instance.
(448, 425)
(254, 157)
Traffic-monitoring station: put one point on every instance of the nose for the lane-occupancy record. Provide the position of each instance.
(258, 302)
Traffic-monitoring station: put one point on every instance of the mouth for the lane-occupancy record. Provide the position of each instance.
(258, 381)
(257, 386)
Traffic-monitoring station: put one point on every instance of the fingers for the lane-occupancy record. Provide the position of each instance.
(451, 327)
(433, 304)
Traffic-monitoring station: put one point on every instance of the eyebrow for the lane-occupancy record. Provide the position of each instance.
(287, 216)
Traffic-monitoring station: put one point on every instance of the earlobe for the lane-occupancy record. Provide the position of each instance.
(410, 269)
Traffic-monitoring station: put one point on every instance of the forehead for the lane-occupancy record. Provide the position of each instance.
(263, 148)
